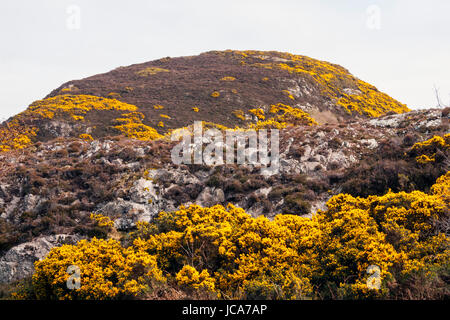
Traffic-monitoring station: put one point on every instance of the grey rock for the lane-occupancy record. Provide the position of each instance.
(210, 197)
(18, 262)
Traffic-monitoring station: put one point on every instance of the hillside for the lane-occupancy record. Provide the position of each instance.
(362, 181)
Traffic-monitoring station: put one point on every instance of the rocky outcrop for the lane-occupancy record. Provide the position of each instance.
(18, 261)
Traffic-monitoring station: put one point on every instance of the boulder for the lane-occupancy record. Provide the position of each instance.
(18, 262)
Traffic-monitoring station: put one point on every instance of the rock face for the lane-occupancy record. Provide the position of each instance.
(17, 262)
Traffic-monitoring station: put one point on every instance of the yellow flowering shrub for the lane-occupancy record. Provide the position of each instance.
(406, 228)
(131, 125)
(102, 220)
(107, 271)
(68, 89)
(77, 118)
(113, 95)
(74, 105)
(245, 249)
(239, 114)
(19, 133)
(150, 71)
(226, 251)
(426, 151)
(363, 98)
(293, 257)
(279, 116)
(288, 94)
(86, 137)
(228, 78)
(215, 94)
(442, 186)
(189, 277)
(195, 109)
(16, 136)
(283, 116)
(258, 112)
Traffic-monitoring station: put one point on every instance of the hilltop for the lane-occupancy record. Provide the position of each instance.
(227, 88)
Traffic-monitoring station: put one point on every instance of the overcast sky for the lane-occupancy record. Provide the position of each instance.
(402, 47)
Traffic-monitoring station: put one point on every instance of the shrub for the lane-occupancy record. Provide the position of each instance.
(289, 257)
(427, 151)
(228, 78)
(108, 271)
(131, 125)
(150, 71)
(190, 278)
(295, 204)
(86, 137)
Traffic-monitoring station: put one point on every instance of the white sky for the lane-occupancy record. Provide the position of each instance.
(405, 58)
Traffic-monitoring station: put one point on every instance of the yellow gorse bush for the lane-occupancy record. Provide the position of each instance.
(19, 134)
(228, 78)
(102, 220)
(363, 98)
(86, 137)
(283, 116)
(16, 137)
(239, 114)
(289, 94)
(149, 71)
(74, 105)
(131, 126)
(279, 116)
(107, 271)
(226, 251)
(258, 112)
(426, 151)
(189, 277)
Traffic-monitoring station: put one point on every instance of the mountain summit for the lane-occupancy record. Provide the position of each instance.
(227, 88)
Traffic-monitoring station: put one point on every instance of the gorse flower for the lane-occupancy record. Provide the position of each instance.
(108, 271)
(226, 251)
(150, 71)
(19, 134)
(426, 151)
(131, 125)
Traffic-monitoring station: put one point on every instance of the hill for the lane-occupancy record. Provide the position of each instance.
(228, 88)
(362, 181)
